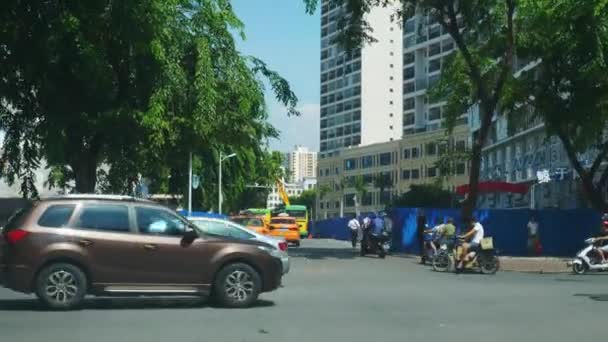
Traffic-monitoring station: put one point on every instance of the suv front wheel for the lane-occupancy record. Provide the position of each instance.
(237, 285)
(61, 286)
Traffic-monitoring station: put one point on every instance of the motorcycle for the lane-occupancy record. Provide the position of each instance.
(374, 244)
(588, 259)
(485, 260)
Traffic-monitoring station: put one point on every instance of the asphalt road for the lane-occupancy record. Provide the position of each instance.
(334, 295)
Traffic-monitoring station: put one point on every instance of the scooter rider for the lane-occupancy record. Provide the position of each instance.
(603, 239)
(474, 237)
(443, 233)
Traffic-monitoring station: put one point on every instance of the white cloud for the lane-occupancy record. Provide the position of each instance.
(296, 130)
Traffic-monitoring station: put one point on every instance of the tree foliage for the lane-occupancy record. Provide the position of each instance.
(133, 87)
(424, 196)
(568, 88)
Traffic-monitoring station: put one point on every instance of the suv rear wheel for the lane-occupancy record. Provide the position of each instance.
(61, 286)
(237, 285)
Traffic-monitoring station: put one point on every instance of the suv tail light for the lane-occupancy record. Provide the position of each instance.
(283, 246)
(16, 235)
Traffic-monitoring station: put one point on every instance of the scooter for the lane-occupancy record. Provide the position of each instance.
(588, 259)
(371, 244)
(445, 253)
(485, 260)
(429, 252)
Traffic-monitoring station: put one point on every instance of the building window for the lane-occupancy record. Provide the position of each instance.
(390, 127)
(415, 174)
(435, 113)
(350, 164)
(337, 204)
(408, 58)
(409, 104)
(431, 172)
(390, 102)
(408, 119)
(391, 65)
(390, 115)
(460, 146)
(391, 78)
(385, 158)
(460, 168)
(435, 65)
(406, 153)
(415, 152)
(431, 149)
(408, 73)
(392, 53)
(405, 174)
(434, 49)
(321, 205)
(366, 162)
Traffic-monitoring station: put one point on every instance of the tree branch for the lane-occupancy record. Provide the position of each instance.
(507, 60)
(598, 160)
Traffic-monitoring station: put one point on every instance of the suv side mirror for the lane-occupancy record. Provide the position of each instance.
(189, 236)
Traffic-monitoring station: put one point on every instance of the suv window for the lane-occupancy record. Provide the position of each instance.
(18, 217)
(107, 217)
(222, 229)
(158, 222)
(56, 216)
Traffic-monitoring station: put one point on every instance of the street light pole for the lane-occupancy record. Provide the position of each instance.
(219, 192)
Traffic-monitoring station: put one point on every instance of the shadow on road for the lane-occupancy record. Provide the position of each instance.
(600, 297)
(323, 253)
(139, 303)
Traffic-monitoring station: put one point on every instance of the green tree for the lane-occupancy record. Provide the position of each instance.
(424, 196)
(132, 86)
(568, 89)
(382, 181)
(484, 34)
(307, 198)
(322, 191)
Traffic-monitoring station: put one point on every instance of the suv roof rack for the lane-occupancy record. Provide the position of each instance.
(99, 197)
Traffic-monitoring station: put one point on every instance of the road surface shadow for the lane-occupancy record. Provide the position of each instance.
(600, 297)
(131, 303)
(323, 253)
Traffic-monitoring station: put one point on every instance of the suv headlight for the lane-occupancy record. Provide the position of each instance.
(272, 251)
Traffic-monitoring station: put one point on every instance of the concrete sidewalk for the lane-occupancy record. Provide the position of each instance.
(535, 264)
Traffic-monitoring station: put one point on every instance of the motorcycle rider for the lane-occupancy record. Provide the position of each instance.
(602, 248)
(443, 233)
(473, 238)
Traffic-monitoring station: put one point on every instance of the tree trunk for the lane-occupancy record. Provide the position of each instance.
(485, 116)
(592, 192)
(85, 174)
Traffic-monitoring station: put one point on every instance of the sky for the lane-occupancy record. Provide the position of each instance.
(280, 33)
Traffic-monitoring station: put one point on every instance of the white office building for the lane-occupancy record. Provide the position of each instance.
(361, 97)
(301, 163)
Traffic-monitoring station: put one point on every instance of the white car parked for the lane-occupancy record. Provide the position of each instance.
(230, 229)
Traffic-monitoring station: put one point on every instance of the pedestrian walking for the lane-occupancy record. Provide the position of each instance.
(354, 227)
(533, 238)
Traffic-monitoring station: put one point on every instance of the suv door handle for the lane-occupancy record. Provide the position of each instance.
(150, 247)
(85, 243)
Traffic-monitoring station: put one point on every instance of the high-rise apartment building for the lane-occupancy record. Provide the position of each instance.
(426, 46)
(360, 91)
(301, 164)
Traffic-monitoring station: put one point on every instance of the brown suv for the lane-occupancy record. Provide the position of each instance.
(65, 248)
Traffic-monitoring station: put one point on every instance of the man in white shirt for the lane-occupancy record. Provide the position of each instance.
(532, 235)
(474, 237)
(354, 230)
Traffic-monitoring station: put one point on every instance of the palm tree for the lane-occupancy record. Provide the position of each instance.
(360, 191)
(382, 181)
(322, 191)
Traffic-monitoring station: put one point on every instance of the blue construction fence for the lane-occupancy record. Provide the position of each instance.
(562, 232)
